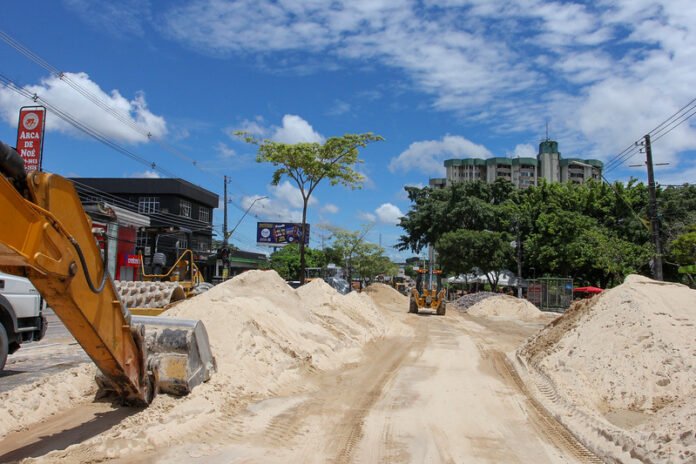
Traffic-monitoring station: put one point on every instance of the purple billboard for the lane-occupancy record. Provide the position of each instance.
(280, 233)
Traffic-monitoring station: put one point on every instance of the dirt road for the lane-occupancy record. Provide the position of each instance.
(56, 352)
(445, 395)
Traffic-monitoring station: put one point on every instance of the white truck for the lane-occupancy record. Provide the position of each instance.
(21, 315)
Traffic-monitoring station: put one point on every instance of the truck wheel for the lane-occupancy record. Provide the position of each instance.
(413, 306)
(442, 308)
(4, 347)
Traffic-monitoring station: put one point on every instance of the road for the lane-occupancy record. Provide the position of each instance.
(56, 352)
(446, 395)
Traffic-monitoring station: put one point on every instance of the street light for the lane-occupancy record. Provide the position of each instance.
(229, 234)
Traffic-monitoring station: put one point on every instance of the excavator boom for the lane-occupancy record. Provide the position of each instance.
(46, 236)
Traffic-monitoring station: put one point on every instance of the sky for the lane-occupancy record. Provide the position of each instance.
(438, 79)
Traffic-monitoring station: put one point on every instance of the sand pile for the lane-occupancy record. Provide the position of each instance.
(630, 350)
(505, 307)
(264, 335)
(387, 296)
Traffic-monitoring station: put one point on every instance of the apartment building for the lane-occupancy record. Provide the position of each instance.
(522, 172)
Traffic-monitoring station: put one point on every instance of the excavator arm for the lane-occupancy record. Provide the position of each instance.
(46, 236)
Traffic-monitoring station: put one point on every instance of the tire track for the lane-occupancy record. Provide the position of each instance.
(553, 429)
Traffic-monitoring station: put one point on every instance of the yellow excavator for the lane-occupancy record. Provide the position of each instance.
(46, 236)
(428, 292)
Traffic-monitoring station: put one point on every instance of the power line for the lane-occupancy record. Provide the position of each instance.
(103, 105)
(685, 113)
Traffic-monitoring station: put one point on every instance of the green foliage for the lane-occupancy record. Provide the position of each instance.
(684, 247)
(462, 250)
(358, 256)
(595, 232)
(307, 164)
(286, 261)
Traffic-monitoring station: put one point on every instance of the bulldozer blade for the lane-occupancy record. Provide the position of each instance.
(177, 352)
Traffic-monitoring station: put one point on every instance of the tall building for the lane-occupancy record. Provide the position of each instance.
(522, 172)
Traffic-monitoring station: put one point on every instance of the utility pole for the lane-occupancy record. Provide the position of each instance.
(652, 206)
(224, 208)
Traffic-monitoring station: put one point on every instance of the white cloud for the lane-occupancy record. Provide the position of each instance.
(369, 217)
(66, 99)
(329, 208)
(290, 194)
(252, 126)
(284, 203)
(605, 73)
(388, 213)
(523, 150)
(225, 151)
(338, 108)
(146, 175)
(296, 130)
(428, 156)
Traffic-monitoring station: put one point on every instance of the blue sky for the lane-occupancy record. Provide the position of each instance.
(437, 79)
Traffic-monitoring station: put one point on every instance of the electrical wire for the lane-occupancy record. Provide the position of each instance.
(685, 113)
(103, 105)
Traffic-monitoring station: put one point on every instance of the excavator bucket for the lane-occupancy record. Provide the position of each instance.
(177, 352)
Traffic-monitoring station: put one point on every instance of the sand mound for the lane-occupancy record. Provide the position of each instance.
(630, 349)
(505, 306)
(264, 336)
(386, 295)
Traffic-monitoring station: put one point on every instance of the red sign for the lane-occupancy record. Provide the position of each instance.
(30, 132)
(133, 260)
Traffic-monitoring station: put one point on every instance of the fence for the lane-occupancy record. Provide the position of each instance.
(550, 294)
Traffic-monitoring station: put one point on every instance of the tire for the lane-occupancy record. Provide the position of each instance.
(442, 308)
(413, 306)
(4, 347)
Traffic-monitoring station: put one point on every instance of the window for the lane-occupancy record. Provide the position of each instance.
(142, 240)
(148, 204)
(203, 245)
(204, 214)
(182, 244)
(185, 208)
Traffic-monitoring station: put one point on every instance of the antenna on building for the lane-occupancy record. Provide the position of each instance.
(547, 129)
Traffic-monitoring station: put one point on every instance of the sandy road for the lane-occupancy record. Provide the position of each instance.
(444, 395)
(439, 397)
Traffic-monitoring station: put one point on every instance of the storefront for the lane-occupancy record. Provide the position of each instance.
(115, 230)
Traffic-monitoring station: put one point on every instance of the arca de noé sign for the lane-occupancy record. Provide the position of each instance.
(30, 134)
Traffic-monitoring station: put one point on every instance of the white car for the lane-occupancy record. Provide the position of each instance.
(21, 314)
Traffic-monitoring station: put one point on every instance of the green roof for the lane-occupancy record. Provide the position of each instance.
(465, 162)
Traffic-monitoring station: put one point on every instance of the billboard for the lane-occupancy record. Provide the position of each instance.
(280, 233)
(30, 132)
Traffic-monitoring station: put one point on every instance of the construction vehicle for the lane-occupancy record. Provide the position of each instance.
(46, 237)
(156, 292)
(428, 292)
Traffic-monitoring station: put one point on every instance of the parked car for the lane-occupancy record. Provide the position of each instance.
(22, 316)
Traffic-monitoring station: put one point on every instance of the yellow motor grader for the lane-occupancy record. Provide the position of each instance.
(428, 294)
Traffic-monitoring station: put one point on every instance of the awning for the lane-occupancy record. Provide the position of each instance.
(587, 290)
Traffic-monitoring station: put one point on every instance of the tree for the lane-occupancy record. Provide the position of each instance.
(347, 244)
(684, 247)
(286, 261)
(370, 261)
(462, 250)
(307, 164)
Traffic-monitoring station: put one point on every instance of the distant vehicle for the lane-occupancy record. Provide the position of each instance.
(21, 315)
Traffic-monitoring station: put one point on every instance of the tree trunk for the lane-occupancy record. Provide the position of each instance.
(302, 243)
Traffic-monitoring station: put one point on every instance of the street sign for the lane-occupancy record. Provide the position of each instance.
(30, 134)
